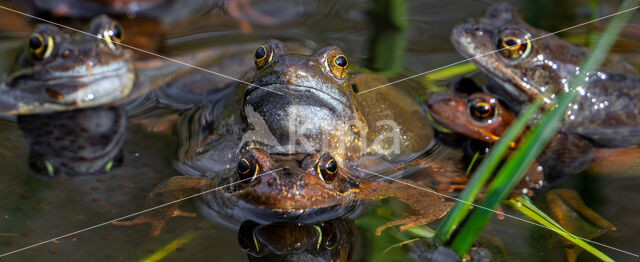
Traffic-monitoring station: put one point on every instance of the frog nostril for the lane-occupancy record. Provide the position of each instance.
(66, 53)
(271, 182)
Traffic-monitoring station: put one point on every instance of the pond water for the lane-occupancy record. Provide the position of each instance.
(35, 208)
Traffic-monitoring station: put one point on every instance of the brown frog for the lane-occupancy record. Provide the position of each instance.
(483, 117)
(57, 71)
(293, 144)
(527, 63)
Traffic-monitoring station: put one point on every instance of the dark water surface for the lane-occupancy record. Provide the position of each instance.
(33, 209)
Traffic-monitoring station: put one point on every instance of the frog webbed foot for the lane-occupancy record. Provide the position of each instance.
(427, 205)
(157, 220)
(170, 191)
(568, 209)
(411, 221)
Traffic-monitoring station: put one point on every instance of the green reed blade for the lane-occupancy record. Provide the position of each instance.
(534, 141)
(450, 72)
(524, 205)
(483, 173)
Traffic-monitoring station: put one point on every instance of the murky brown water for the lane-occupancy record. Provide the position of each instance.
(33, 209)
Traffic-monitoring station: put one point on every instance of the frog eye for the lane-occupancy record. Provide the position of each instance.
(40, 46)
(113, 34)
(328, 236)
(514, 44)
(327, 168)
(247, 237)
(247, 168)
(337, 64)
(482, 108)
(263, 55)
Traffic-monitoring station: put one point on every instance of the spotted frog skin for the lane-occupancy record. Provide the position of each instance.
(58, 71)
(526, 66)
(293, 142)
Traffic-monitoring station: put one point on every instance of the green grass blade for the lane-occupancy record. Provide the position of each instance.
(450, 72)
(534, 141)
(483, 173)
(171, 247)
(527, 208)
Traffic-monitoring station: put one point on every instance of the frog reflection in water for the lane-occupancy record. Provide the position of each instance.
(291, 145)
(528, 66)
(293, 241)
(58, 71)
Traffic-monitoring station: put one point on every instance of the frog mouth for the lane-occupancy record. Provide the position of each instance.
(289, 88)
(82, 86)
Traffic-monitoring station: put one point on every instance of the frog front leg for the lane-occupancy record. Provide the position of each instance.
(169, 191)
(427, 204)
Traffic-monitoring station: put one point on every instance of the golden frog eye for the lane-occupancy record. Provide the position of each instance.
(247, 168)
(482, 108)
(263, 55)
(338, 64)
(514, 44)
(247, 238)
(113, 35)
(40, 46)
(328, 236)
(327, 168)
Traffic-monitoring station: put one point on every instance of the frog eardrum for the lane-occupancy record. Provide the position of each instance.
(482, 108)
(40, 46)
(327, 168)
(513, 43)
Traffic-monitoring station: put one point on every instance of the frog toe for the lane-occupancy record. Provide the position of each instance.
(156, 225)
(388, 225)
(181, 213)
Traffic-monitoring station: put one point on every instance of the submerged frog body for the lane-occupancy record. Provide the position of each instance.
(292, 142)
(526, 63)
(58, 71)
(75, 143)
